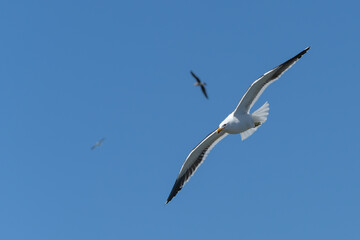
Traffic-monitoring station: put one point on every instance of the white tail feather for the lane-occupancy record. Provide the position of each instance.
(247, 133)
(260, 115)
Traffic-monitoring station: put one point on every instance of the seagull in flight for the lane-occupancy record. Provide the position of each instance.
(200, 83)
(98, 143)
(240, 121)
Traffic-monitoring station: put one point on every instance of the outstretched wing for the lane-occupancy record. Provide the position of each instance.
(204, 91)
(257, 88)
(194, 160)
(196, 77)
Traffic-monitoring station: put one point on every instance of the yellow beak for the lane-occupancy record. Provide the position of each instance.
(219, 130)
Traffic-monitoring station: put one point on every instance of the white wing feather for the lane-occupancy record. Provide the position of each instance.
(258, 87)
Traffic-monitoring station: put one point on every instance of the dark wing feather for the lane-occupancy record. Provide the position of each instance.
(194, 160)
(257, 88)
(196, 77)
(204, 91)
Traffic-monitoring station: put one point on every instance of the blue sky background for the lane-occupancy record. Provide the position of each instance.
(72, 72)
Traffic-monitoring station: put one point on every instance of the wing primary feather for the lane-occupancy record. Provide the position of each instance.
(194, 160)
(204, 91)
(258, 87)
(179, 183)
(196, 77)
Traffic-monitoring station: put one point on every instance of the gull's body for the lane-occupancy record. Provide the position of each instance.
(98, 143)
(240, 121)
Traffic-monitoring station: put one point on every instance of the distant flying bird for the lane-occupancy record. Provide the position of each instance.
(199, 83)
(98, 144)
(239, 121)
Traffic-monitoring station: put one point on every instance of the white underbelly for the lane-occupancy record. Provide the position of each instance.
(240, 124)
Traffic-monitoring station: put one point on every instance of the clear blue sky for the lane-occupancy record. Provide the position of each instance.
(72, 72)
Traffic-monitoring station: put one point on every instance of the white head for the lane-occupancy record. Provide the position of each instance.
(223, 125)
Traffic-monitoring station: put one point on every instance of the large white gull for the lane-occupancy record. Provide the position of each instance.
(239, 121)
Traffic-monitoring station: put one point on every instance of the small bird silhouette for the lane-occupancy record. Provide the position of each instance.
(98, 143)
(199, 83)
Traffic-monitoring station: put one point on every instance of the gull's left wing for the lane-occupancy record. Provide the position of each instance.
(196, 77)
(204, 91)
(194, 160)
(257, 88)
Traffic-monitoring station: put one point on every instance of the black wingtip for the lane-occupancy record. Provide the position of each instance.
(168, 200)
(196, 77)
(298, 56)
(304, 51)
(176, 188)
(172, 195)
